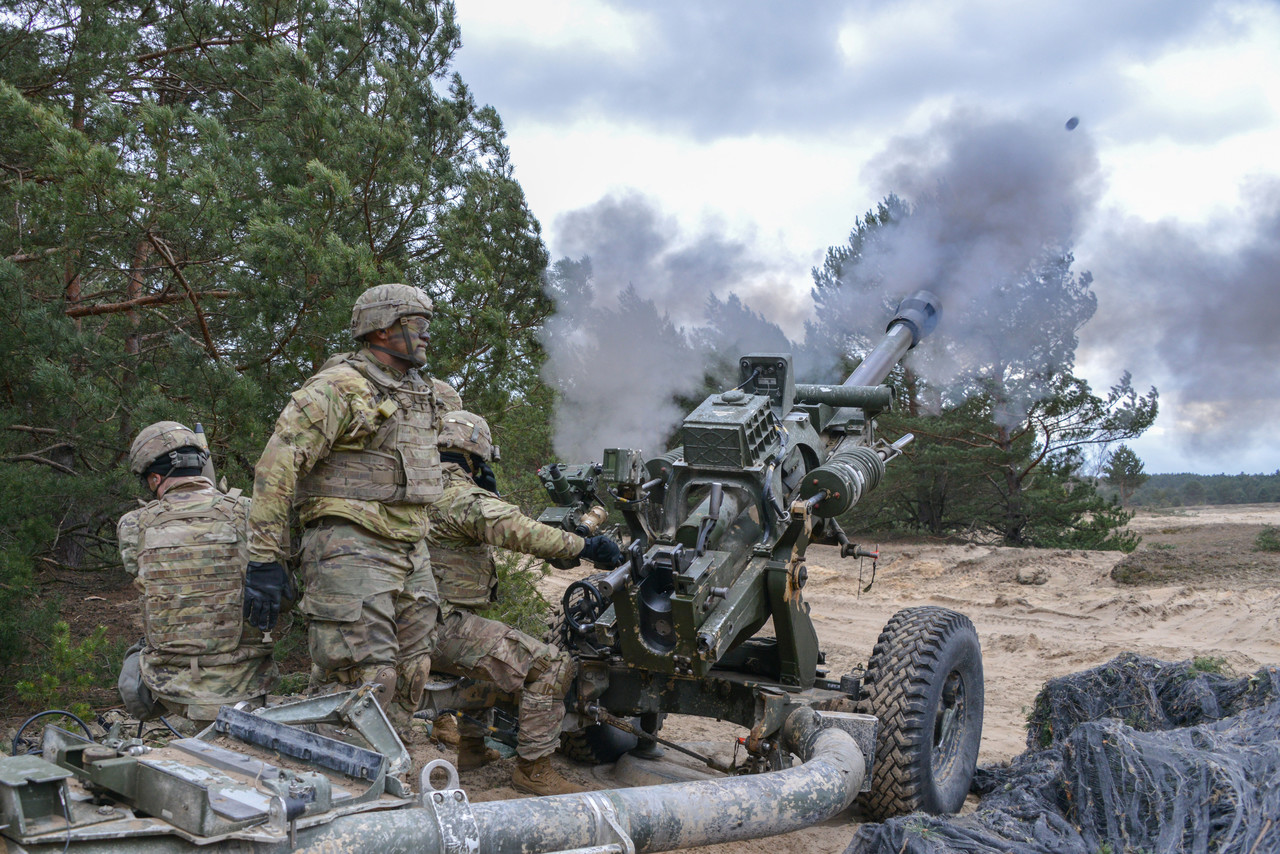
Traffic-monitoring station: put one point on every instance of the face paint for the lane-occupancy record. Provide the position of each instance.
(416, 332)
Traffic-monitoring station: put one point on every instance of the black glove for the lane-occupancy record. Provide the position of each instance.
(485, 478)
(264, 585)
(602, 551)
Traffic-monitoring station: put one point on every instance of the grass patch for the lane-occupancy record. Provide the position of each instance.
(293, 683)
(1210, 664)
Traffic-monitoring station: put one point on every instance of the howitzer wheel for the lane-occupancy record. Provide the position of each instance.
(924, 683)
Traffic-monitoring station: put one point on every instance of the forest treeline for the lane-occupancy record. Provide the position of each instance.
(1180, 490)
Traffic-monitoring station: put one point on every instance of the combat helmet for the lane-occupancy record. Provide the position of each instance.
(466, 431)
(165, 439)
(382, 305)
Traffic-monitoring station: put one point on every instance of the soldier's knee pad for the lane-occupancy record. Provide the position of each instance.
(551, 676)
(414, 676)
(385, 678)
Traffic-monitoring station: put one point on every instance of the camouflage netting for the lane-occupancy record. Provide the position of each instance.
(1137, 755)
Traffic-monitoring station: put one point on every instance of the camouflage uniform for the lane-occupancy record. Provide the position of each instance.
(446, 395)
(466, 522)
(187, 552)
(354, 452)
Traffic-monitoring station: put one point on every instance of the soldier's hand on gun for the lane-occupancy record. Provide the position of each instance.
(602, 551)
(264, 585)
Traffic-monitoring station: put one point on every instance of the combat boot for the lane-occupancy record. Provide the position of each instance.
(445, 730)
(473, 754)
(537, 777)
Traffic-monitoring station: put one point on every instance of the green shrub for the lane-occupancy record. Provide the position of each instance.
(65, 670)
(519, 604)
(1210, 664)
(1268, 540)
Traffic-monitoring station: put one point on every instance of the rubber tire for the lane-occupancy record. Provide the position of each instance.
(926, 661)
(598, 744)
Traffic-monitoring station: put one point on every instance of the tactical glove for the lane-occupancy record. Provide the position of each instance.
(264, 585)
(602, 551)
(485, 478)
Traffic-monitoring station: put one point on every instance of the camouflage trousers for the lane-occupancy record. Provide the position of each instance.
(194, 686)
(491, 651)
(373, 607)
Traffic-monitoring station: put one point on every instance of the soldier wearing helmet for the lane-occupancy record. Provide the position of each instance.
(187, 551)
(466, 522)
(354, 452)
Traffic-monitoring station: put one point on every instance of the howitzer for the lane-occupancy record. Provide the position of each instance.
(716, 537)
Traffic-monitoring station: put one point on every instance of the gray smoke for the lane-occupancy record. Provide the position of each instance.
(984, 211)
(645, 318)
(1203, 311)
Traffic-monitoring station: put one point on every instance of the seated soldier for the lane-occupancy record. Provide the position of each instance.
(465, 523)
(186, 550)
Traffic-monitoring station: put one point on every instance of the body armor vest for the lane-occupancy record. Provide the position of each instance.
(191, 562)
(400, 463)
(465, 576)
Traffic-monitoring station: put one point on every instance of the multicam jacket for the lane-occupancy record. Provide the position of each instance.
(356, 441)
(466, 521)
(187, 554)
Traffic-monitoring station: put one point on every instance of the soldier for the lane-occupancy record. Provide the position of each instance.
(355, 452)
(465, 523)
(187, 551)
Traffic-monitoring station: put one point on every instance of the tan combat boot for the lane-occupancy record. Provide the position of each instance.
(537, 777)
(445, 730)
(473, 754)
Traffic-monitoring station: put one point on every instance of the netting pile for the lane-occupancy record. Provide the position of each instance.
(1137, 755)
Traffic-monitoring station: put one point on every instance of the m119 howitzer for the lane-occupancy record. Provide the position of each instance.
(716, 536)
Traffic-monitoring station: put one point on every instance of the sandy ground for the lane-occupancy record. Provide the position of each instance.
(1039, 614)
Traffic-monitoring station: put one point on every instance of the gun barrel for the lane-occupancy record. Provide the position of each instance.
(916, 317)
(852, 469)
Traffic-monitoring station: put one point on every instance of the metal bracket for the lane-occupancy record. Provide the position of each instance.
(609, 835)
(864, 729)
(451, 810)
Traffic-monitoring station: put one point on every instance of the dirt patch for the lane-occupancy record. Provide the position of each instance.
(1199, 554)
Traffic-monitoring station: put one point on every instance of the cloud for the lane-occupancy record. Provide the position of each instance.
(729, 69)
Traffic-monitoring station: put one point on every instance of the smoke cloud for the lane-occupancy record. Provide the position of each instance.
(645, 317)
(1203, 312)
(649, 314)
(983, 211)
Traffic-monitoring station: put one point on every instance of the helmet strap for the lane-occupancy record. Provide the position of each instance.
(405, 357)
(399, 357)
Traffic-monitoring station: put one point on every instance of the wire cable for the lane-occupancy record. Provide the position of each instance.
(84, 726)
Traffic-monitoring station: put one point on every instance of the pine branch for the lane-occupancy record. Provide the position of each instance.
(129, 305)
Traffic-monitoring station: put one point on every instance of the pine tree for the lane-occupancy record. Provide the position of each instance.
(192, 194)
(1124, 471)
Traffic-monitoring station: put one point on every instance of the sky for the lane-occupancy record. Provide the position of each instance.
(707, 148)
